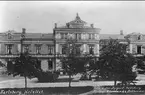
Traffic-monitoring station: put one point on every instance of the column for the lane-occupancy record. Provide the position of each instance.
(84, 48)
(130, 48)
(87, 47)
(60, 49)
(96, 49)
(54, 65)
(57, 48)
(19, 48)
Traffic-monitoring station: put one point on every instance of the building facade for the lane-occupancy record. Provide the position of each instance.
(37, 44)
(48, 47)
(137, 44)
(86, 36)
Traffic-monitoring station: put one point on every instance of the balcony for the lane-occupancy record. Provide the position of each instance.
(4, 56)
(7, 56)
(87, 55)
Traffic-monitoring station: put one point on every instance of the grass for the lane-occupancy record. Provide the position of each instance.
(47, 91)
(10, 77)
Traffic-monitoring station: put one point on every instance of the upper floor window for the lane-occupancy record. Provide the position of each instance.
(9, 48)
(63, 36)
(78, 36)
(38, 48)
(71, 36)
(50, 49)
(91, 36)
(9, 35)
(58, 36)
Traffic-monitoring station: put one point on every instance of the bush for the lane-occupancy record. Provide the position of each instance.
(47, 76)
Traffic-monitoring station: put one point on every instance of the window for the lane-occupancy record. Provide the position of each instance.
(50, 49)
(9, 35)
(78, 36)
(138, 49)
(78, 51)
(89, 36)
(63, 36)
(63, 50)
(9, 49)
(139, 37)
(91, 49)
(38, 48)
(50, 64)
(93, 36)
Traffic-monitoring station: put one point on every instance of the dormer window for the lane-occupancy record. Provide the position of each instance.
(9, 35)
(139, 37)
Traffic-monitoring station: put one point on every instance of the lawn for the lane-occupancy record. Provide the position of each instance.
(10, 77)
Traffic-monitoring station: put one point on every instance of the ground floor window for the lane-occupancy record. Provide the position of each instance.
(138, 49)
(50, 64)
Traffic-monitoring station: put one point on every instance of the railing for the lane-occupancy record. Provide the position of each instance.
(33, 55)
(44, 55)
(8, 55)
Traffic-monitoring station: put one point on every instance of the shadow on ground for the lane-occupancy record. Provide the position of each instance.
(58, 80)
(47, 91)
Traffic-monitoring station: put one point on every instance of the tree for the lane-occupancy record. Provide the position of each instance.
(141, 65)
(116, 63)
(26, 66)
(73, 63)
(2, 65)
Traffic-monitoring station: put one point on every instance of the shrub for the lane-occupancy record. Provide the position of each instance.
(47, 76)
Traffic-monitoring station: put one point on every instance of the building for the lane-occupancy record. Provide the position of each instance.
(87, 37)
(37, 44)
(48, 47)
(137, 44)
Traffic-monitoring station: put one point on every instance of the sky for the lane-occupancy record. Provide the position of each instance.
(40, 16)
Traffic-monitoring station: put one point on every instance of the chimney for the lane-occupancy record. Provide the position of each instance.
(55, 25)
(67, 24)
(92, 25)
(23, 30)
(121, 32)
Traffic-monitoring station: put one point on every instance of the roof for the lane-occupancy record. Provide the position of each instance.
(39, 35)
(17, 35)
(76, 23)
(113, 36)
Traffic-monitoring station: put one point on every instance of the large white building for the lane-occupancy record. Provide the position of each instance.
(47, 47)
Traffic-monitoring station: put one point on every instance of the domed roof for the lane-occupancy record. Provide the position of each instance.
(77, 23)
